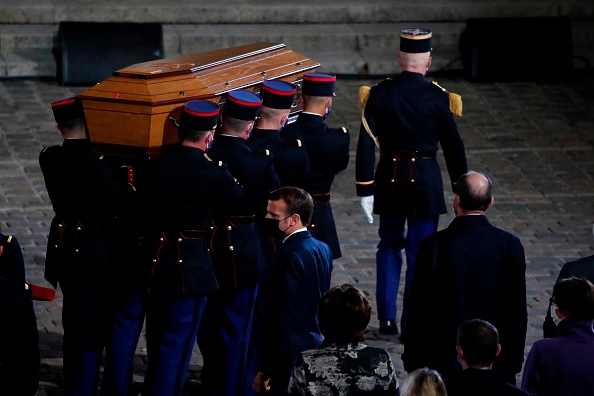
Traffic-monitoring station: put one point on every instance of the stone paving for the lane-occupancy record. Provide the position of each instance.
(535, 140)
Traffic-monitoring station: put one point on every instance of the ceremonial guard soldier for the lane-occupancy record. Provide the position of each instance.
(83, 191)
(182, 190)
(327, 149)
(235, 249)
(405, 117)
(289, 157)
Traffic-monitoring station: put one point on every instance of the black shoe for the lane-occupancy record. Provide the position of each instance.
(388, 327)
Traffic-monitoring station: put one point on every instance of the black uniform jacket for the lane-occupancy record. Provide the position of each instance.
(235, 245)
(19, 351)
(83, 191)
(182, 190)
(289, 157)
(408, 116)
(470, 270)
(292, 167)
(328, 152)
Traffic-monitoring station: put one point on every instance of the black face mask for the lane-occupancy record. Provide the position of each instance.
(271, 227)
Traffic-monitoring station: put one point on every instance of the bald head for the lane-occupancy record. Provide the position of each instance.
(473, 192)
(416, 63)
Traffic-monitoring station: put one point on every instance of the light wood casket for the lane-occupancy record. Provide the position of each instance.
(133, 112)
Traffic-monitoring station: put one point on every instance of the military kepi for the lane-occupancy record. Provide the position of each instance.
(277, 94)
(415, 40)
(199, 115)
(243, 105)
(68, 109)
(318, 84)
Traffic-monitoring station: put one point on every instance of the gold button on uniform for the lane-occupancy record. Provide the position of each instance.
(179, 261)
(231, 248)
(179, 239)
(413, 159)
(412, 180)
(392, 180)
(229, 228)
(75, 250)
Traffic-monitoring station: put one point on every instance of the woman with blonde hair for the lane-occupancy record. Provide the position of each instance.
(423, 382)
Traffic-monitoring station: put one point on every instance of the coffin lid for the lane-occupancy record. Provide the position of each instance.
(205, 75)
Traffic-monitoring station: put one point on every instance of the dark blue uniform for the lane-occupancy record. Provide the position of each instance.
(130, 285)
(328, 152)
(237, 256)
(292, 286)
(182, 189)
(19, 351)
(409, 117)
(83, 191)
(291, 164)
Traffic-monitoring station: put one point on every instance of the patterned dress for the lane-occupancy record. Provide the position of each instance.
(352, 369)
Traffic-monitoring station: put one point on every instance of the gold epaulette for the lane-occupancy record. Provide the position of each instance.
(101, 157)
(220, 163)
(267, 151)
(9, 239)
(363, 95)
(45, 148)
(298, 143)
(455, 100)
(344, 130)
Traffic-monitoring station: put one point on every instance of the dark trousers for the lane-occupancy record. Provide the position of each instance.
(224, 338)
(127, 326)
(86, 321)
(389, 259)
(171, 328)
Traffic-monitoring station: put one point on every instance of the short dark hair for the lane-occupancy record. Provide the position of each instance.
(73, 124)
(298, 202)
(343, 314)
(478, 339)
(576, 297)
(472, 197)
(190, 135)
(231, 124)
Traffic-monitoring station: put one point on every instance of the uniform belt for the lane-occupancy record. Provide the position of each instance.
(234, 219)
(406, 153)
(185, 234)
(319, 198)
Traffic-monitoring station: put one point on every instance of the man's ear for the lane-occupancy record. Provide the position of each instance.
(429, 62)
(490, 203)
(498, 350)
(460, 352)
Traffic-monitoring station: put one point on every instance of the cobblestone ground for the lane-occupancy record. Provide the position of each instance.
(535, 140)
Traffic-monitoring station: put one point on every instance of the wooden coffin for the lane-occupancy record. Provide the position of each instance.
(133, 112)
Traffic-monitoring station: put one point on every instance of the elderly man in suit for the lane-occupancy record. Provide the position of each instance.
(469, 270)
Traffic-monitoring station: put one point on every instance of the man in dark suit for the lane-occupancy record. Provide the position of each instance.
(292, 285)
(405, 117)
(469, 270)
(477, 347)
(183, 188)
(83, 191)
(19, 350)
(235, 250)
(327, 149)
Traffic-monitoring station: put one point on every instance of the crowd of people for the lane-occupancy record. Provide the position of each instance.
(237, 255)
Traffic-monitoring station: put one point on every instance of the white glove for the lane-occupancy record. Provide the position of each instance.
(367, 205)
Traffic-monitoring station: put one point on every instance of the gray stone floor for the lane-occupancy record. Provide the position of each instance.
(536, 141)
